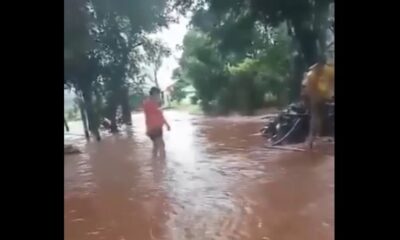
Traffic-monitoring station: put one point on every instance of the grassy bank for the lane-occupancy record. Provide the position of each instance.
(192, 109)
(196, 109)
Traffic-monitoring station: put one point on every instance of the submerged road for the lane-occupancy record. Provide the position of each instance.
(217, 182)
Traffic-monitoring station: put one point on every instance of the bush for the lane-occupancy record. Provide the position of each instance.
(72, 114)
(194, 100)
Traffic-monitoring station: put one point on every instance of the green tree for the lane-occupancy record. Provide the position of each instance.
(100, 52)
(156, 51)
(203, 66)
(76, 36)
(227, 82)
(180, 83)
(307, 22)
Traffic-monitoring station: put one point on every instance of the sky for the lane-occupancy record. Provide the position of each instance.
(172, 36)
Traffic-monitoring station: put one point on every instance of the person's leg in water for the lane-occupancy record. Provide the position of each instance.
(161, 147)
(155, 148)
(158, 142)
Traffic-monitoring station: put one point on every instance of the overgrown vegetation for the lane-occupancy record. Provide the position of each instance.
(239, 55)
(105, 44)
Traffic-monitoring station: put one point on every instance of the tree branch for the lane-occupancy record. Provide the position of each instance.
(137, 45)
(330, 44)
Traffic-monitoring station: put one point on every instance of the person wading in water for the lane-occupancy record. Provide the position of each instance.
(155, 121)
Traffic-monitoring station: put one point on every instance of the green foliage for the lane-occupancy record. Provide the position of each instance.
(76, 35)
(136, 99)
(223, 85)
(145, 16)
(194, 100)
(73, 114)
(156, 51)
(102, 55)
(117, 28)
(241, 28)
(203, 67)
(178, 92)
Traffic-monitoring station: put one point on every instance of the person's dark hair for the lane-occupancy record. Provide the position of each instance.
(154, 90)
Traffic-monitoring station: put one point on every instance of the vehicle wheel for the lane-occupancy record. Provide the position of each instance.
(284, 133)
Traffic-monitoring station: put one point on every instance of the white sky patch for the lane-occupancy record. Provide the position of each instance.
(172, 36)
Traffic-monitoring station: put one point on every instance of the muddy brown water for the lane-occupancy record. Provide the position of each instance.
(217, 182)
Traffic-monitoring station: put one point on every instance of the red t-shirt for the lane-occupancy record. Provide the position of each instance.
(154, 116)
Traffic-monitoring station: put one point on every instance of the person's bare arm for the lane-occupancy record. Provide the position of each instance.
(165, 122)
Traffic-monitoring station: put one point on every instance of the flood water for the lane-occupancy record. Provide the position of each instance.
(217, 182)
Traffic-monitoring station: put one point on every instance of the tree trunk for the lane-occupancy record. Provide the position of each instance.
(92, 117)
(298, 70)
(99, 105)
(308, 46)
(321, 25)
(158, 85)
(155, 77)
(126, 108)
(84, 118)
(66, 125)
(310, 41)
(304, 39)
(297, 65)
(112, 111)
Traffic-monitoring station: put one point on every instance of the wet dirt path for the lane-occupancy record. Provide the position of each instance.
(217, 182)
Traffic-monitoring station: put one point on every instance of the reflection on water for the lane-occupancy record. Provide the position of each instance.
(216, 183)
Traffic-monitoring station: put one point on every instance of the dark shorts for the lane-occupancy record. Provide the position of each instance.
(155, 133)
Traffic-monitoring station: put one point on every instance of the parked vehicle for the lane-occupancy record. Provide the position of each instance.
(292, 124)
